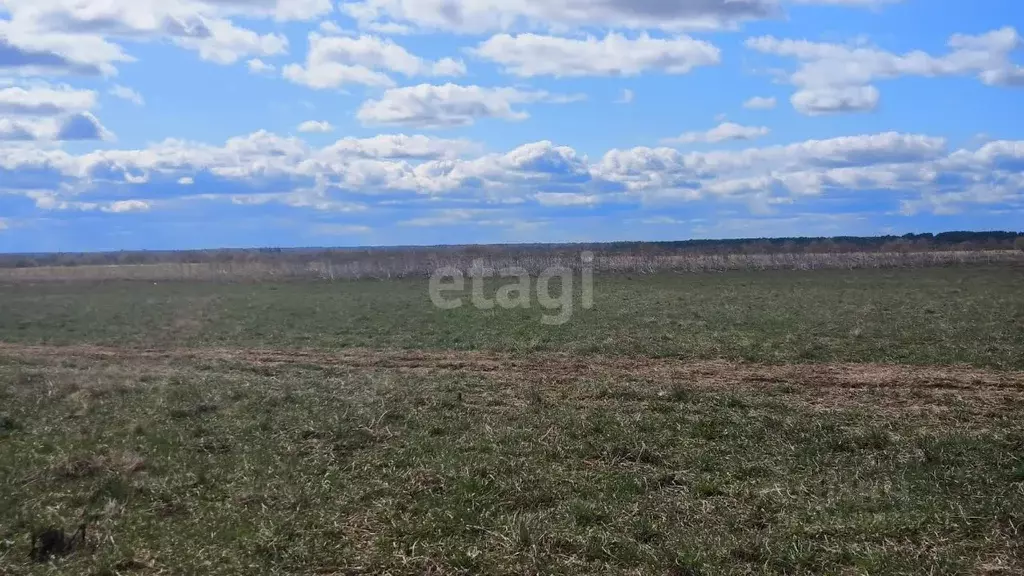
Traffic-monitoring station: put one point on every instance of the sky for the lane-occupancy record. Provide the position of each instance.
(181, 124)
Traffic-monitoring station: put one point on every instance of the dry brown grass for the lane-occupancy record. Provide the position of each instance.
(825, 386)
(422, 267)
(368, 461)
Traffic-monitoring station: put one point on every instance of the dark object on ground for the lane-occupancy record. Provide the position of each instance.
(54, 542)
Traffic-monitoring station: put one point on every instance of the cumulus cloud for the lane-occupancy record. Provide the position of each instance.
(832, 100)
(450, 105)
(567, 199)
(72, 37)
(51, 201)
(257, 66)
(60, 39)
(479, 16)
(227, 43)
(887, 160)
(328, 27)
(839, 78)
(917, 170)
(534, 55)
(29, 51)
(760, 103)
(723, 132)
(333, 61)
(280, 10)
(317, 126)
(45, 101)
(399, 146)
(82, 126)
(125, 93)
(76, 126)
(21, 130)
(122, 206)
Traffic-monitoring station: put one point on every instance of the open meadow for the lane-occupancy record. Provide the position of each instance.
(744, 422)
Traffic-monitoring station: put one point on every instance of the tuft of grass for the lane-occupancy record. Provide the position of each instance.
(115, 463)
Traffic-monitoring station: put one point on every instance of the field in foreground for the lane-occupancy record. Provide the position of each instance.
(403, 462)
(784, 423)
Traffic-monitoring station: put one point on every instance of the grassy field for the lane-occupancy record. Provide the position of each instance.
(825, 422)
(969, 315)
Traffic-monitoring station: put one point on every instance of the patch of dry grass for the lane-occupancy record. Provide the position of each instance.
(422, 267)
(401, 462)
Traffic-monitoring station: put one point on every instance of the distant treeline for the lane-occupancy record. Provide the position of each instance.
(945, 241)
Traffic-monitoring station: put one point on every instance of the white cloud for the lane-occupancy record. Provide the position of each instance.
(36, 51)
(468, 217)
(281, 10)
(21, 130)
(760, 103)
(257, 66)
(721, 133)
(448, 217)
(333, 61)
(76, 37)
(888, 160)
(227, 43)
(333, 75)
(328, 27)
(533, 55)
(71, 127)
(49, 200)
(340, 229)
(136, 179)
(850, 3)
(122, 206)
(82, 126)
(186, 181)
(45, 101)
(125, 93)
(832, 100)
(662, 221)
(479, 16)
(838, 78)
(627, 97)
(567, 199)
(318, 126)
(449, 105)
(398, 146)
(917, 170)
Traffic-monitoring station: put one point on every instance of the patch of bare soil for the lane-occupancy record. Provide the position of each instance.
(562, 367)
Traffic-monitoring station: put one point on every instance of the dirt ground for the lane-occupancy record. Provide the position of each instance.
(880, 386)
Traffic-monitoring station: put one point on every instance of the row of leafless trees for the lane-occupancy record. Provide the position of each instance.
(621, 263)
(401, 258)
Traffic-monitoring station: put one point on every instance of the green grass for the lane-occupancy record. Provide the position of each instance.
(220, 466)
(197, 443)
(972, 315)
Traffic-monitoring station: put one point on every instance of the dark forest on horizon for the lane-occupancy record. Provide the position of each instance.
(926, 242)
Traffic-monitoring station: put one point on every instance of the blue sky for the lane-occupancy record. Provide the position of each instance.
(156, 124)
